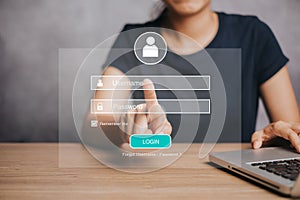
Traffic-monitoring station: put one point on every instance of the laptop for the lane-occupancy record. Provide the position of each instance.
(275, 167)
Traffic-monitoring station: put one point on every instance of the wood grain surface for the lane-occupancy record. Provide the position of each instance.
(33, 171)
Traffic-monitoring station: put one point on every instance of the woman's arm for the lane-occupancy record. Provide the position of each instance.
(279, 97)
(281, 105)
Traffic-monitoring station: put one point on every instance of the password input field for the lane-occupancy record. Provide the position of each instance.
(170, 106)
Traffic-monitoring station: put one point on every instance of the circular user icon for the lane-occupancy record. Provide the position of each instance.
(150, 48)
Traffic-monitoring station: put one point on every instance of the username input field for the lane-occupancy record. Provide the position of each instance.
(176, 82)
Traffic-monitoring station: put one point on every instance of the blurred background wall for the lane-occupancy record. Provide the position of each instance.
(32, 31)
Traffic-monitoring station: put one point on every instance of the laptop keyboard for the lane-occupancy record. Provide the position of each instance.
(288, 169)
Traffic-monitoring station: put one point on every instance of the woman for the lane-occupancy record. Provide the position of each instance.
(264, 71)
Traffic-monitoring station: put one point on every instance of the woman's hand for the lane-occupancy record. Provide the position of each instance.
(148, 118)
(287, 130)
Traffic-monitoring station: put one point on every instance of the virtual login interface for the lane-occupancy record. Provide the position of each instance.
(139, 100)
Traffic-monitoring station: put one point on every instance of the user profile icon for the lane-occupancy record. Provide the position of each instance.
(150, 48)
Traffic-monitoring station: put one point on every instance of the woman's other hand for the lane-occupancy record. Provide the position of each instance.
(287, 130)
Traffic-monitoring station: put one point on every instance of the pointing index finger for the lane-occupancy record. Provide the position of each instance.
(149, 93)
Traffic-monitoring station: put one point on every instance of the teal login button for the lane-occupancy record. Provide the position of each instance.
(150, 141)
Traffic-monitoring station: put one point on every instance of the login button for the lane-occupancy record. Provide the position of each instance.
(150, 141)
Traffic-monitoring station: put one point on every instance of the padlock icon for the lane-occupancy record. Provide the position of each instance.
(99, 106)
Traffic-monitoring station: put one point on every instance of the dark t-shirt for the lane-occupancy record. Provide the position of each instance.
(262, 57)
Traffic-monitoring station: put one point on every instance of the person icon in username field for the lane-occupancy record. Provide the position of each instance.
(99, 83)
(150, 50)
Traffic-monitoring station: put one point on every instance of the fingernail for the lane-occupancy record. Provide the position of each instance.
(256, 144)
(147, 81)
(298, 149)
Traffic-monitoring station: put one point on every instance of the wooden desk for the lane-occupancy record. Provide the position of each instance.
(30, 171)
